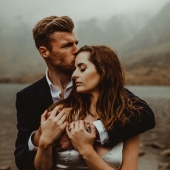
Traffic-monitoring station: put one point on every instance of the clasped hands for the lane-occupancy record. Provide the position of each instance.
(52, 131)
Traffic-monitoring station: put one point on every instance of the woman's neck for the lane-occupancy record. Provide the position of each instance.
(94, 99)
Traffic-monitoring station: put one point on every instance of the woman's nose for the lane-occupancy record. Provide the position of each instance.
(74, 75)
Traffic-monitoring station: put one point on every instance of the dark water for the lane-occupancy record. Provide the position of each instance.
(154, 92)
(157, 97)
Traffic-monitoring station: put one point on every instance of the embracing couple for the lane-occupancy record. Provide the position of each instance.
(79, 115)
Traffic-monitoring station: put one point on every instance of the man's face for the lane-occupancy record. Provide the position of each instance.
(62, 55)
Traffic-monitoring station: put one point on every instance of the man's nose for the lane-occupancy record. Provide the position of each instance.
(76, 48)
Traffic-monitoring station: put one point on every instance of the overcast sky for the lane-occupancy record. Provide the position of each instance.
(32, 11)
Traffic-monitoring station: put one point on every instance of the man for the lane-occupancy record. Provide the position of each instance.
(57, 44)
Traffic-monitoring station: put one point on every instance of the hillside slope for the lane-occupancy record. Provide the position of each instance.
(147, 56)
(156, 32)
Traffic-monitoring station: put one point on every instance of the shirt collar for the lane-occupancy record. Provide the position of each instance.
(55, 91)
(48, 80)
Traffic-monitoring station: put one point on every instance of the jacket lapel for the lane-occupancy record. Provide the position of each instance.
(45, 99)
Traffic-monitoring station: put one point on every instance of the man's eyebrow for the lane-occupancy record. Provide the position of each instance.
(69, 43)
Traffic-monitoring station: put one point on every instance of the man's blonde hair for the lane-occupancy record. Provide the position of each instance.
(43, 30)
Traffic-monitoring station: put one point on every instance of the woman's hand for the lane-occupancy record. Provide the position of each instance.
(80, 138)
(52, 125)
(83, 143)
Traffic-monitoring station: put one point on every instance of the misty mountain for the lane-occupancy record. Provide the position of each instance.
(150, 47)
(141, 41)
(114, 31)
(155, 33)
(18, 54)
(147, 56)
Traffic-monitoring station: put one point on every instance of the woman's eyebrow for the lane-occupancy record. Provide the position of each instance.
(80, 64)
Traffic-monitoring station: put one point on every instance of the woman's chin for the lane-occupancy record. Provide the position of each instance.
(81, 91)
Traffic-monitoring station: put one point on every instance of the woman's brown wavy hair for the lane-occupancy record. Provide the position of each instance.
(114, 107)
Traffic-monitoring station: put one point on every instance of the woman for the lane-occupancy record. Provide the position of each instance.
(98, 93)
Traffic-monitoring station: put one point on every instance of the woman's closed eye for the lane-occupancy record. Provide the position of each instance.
(82, 69)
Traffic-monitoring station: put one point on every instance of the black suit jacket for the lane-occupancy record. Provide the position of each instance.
(32, 101)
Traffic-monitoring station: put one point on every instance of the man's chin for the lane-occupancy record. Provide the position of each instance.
(66, 71)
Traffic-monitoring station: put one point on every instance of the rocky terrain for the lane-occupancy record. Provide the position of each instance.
(155, 144)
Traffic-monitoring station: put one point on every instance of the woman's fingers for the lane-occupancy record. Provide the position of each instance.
(68, 130)
(55, 115)
(60, 116)
(92, 128)
(76, 124)
(62, 121)
(69, 127)
(55, 111)
(72, 125)
(79, 136)
(82, 124)
(48, 114)
(79, 126)
(64, 125)
(44, 115)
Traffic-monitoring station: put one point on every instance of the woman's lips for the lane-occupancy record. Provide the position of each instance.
(78, 83)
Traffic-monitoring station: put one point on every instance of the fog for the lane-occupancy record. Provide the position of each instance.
(33, 10)
(128, 26)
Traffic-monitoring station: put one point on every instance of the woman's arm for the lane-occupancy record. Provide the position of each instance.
(43, 158)
(130, 156)
(130, 153)
(51, 129)
(83, 142)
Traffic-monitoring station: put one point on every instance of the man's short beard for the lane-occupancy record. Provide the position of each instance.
(66, 71)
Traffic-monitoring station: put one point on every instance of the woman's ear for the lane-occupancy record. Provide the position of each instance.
(44, 52)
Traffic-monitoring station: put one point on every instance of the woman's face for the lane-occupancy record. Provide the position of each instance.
(86, 76)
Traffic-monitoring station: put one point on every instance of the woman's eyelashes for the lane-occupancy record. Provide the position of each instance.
(82, 69)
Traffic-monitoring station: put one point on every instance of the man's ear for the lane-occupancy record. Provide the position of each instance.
(44, 52)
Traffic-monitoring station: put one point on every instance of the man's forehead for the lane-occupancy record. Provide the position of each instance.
(65, 36)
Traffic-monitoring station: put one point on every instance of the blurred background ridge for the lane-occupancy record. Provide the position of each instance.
(140, 37)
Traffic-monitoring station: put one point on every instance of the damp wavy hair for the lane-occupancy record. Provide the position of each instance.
(43, 30)
(114, 106)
